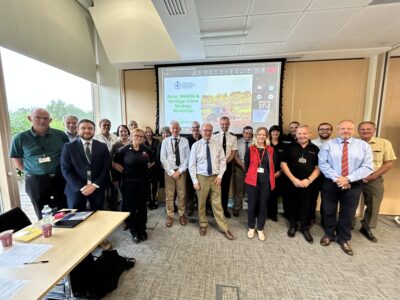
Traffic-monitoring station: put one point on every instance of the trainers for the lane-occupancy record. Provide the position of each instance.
(260, 234)
(250, 233)
(397, 219)
(105, 245)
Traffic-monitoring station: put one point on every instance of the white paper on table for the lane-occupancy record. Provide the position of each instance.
(18, 254)
(8, 287)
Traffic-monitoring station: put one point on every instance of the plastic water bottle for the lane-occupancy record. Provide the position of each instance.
(47, 215)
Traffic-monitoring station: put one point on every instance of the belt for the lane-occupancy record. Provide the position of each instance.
(51, 175)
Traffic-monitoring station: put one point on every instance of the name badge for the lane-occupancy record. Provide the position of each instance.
(44, 159)
(302, 160)
(260, 170)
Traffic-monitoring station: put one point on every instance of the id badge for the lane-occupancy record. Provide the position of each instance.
(260, 170)
(302, 160)
(44, 159)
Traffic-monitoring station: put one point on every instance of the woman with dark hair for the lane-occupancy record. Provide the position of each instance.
(260, 180)
(133, 162)
(276, 143)
(152, 144)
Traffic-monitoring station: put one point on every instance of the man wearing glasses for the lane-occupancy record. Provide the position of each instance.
(105, 136)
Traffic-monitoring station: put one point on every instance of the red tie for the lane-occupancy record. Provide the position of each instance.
(345, 159)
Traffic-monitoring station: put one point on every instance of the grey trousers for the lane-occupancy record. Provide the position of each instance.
(373, 195)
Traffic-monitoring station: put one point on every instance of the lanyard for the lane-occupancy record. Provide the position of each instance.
(262, 157)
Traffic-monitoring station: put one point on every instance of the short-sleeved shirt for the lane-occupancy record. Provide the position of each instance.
(242, 148)
(134, 162)
(31, 147)
(301, 161)
(231, 141)
(382, 150)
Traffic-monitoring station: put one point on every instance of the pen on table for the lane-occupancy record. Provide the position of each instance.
(36, 262)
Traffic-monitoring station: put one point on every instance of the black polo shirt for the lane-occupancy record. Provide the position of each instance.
(134, 162)
(301, 161)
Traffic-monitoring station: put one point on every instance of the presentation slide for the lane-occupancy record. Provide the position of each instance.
(247, 93)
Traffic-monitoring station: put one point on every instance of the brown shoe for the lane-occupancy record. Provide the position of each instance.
(346, 248)
(325, 241)
(169, 221)
(105, 245)
(182, 220)
(203, 231)
(229, 235)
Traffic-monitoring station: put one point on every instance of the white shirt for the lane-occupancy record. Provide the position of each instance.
(231, 141)
(198, 159)
(318, 142)
(167, 155)
(110, 141)
(242, 148)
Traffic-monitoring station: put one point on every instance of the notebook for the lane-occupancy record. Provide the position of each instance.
(72, 219)
(27, 234)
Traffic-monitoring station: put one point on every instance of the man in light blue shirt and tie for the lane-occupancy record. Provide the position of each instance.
(344, 161)
(207, 164)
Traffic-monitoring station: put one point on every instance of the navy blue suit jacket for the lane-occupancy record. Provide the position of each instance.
(74, 165)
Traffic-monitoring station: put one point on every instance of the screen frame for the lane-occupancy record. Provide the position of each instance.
(281, 60)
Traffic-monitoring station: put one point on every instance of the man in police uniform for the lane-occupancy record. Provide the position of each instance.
(384, 156)
(37, 152)
(229, 144)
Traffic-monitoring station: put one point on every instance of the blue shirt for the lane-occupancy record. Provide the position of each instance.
(198, 159)
(167, 155)
(360, 159)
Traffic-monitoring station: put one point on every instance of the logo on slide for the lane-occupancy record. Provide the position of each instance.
(183, 85)
(177, 85)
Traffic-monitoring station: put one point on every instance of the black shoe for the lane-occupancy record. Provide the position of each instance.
(292, 231)
(368, 234)
(235, 212)
(150, 206)
(135, 238)
(143, 237)
(227, 215)
(307, 236)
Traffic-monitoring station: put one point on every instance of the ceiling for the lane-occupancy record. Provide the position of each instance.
(175, 31)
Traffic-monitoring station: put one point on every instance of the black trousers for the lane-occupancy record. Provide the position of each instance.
(225, 185)
(298, 206)
(79, 201)
(134, 196)
(316, 188)
(339, 228)
(272, 207)
(46, 190)
(258, 197)
(153, 185)
(190, 193)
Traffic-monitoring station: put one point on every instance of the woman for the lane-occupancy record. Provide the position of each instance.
(260, 180)
(161, 179)
(152, 144)
(133, 162)
(276, 143)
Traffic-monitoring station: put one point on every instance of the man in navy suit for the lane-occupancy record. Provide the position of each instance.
(85, 164)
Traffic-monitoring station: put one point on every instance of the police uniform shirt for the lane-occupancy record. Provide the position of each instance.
(301, 161)
(134, 161)
(231, 141)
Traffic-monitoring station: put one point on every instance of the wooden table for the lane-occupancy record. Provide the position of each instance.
(70, 246)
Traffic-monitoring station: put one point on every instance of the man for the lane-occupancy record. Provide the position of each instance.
(344, 161)
(37, 152)
(324, 134)
(190, 194)
(85, 164)
(174, 159)
(300, 165)
(229, 145)
(132, 125)
(71, 128)
(207, 165)
(291, 136)
(239, 172)
(384, 156)
(105, 136)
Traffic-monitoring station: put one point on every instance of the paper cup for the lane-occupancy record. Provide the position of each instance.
(6, 238)
(47, 230)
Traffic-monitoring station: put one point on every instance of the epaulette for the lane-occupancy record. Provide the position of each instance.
(216, 132)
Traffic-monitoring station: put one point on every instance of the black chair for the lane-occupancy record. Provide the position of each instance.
(14, 219)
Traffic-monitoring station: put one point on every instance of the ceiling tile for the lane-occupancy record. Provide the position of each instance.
(273, 6)
(221, 8)
(320, 25)
(324, 4)
(222, 24)
(223, 50)
(223, 41)
(297, 46)
(337, 44)
(270, 28)
(259, 48)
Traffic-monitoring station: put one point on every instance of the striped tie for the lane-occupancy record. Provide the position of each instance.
(345, 159)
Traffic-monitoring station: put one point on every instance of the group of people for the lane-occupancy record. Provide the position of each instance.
(81, 169)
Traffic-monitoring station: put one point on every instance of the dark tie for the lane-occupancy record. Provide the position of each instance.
(224, 143)
(177, 154)
(345, 159)
(209, 167)
(87, 152)
(247, 145)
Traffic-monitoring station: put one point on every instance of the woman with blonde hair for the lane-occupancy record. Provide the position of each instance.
(260, 180)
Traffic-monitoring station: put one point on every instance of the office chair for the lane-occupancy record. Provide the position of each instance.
(14, 219)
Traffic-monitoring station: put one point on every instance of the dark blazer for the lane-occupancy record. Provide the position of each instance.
(74, 165)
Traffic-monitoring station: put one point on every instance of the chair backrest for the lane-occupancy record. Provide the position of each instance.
(14, 219)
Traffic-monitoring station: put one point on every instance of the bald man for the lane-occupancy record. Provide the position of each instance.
(37, 152)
